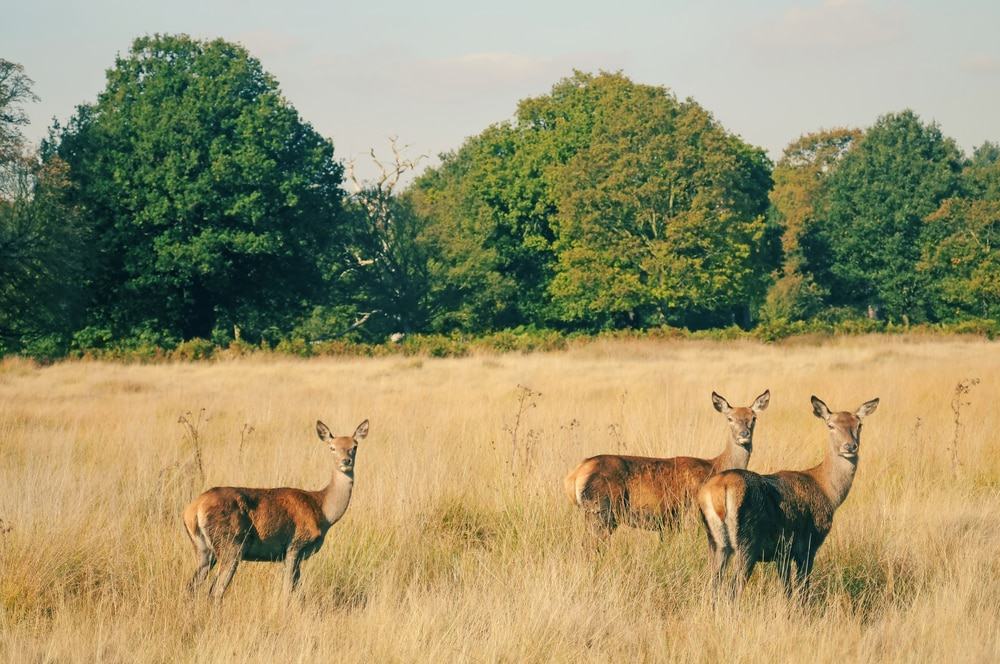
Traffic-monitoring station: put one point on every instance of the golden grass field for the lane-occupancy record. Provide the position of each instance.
(451, 553)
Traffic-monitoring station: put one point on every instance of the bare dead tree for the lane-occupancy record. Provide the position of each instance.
(387, 254)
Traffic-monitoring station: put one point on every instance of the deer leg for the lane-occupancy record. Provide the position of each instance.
(719, 561)
(803, 568)
(785, 572)
(601, 520)
(786, 554)
(744, 568)
(227, 569)
(293, 571)
(206, 561)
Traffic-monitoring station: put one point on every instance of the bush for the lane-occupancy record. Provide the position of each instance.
(793, 297)
(195, 349)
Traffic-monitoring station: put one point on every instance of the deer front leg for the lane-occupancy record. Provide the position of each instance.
(803, 569)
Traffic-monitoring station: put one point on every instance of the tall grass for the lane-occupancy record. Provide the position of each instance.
(446, 554)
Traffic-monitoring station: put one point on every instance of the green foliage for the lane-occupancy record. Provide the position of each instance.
(212, 203)
(190, 214)
(41, 260)
(487, 233)
(866, 249)
(960, 253)
(606, 203)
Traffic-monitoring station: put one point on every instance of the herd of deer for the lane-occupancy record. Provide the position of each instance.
(749, 518)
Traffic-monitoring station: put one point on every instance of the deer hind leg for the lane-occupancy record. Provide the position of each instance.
(293, 571)
(227, 569)
(720, 548)
(203, 552)
(206, 561)
(719, 561)
(229, 552)
(601, 518)
(745, 562)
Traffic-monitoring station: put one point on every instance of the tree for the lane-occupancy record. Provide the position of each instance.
(388, 271)
(41, 260)
(40, 239)
(960, 257)
(800, 177)
(661, 213)
(15, 92)
(865, 250)
(488, 256)
(214, 207)
(604, 203)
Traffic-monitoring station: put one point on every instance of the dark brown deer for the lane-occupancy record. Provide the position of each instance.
(783, 517)
(229, 524)
(653, 493)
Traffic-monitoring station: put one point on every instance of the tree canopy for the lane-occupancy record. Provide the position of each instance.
(191, 200)
(865, 251)
(212, 204)
(604, 203)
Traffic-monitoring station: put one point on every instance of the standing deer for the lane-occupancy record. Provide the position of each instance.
(652, 493)
(229, 524)
(783, 517)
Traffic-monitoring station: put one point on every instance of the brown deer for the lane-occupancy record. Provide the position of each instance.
(652, 493)
(229, 524)
(783, 517)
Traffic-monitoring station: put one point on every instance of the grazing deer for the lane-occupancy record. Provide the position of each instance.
(783, 517)
(652, 493)
(229, 524)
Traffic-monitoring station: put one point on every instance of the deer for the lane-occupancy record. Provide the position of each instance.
(227, 524)
(654, 493)
(783, 517)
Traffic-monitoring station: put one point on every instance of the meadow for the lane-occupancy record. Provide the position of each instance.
(459, 544)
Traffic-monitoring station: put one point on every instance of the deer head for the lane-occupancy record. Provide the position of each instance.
(845, 427)
(343, 447)
(741, 420)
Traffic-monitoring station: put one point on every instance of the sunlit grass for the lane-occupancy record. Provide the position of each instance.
(449, 552)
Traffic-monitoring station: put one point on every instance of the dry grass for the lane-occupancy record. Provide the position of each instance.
(445, 555)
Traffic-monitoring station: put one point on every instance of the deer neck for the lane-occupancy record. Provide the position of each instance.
(835, 476)
(337, 495)
(734, 456)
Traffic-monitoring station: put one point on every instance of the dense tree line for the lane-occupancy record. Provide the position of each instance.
(190, 200)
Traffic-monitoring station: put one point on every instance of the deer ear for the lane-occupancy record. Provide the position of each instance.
(323, 431)
(820, 409)
(362, 431)
(760, 403)
(720, 403)
(867, 408)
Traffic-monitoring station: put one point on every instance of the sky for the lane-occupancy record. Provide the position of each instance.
(434, 72)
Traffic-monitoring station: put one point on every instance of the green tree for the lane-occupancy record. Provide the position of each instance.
(660, 215)
(865, 251)
(487, 242)
(40, 234)
(213, 204)
(42, 261)
(961, 247)
(799, 180)
(604, 203)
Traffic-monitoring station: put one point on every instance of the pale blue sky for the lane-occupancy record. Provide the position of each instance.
(436, 71)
